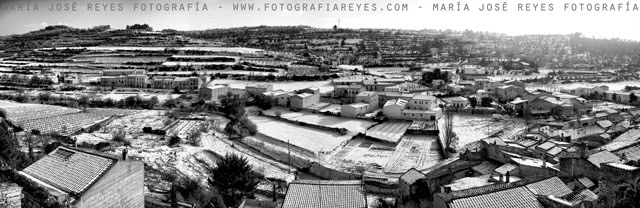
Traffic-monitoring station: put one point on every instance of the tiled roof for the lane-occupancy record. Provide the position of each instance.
(622, 166)
(605, 123)
(603, 157)
(449, 167)
(517, 194)
(519, 197)
(552, 186)
(631, 135)
(631, 152)
(459, 99)
(325, 193)
(424, 97)
(411, 176)
(488, 189)
(486, 167)
(581, 195)
(506, 167)
(70, 170)
(555, 151)
(546, 146)
(586, 182)
(495, 140)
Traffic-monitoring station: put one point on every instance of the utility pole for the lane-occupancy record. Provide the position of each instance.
(289, 153)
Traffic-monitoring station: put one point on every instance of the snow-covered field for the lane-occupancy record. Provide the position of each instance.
(420, 152)
(324, 86)
(470, 128)
(309, 138)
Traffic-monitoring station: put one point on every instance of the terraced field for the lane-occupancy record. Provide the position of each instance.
(24, 112)
(184, 128)
(51, 118)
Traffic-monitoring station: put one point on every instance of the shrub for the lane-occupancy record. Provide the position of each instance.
(278, 113)
(120, 138)
(195, 137)
(174, 140)
(147, 130)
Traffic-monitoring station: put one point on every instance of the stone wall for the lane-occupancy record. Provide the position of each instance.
(10, 195)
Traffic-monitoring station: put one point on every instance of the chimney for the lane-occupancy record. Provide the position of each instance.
(124, 154)
(275, 194)
(446, 189)
(583, 150)
(507, 177)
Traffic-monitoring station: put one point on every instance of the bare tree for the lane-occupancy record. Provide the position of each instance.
(526, 115)
(449, 135)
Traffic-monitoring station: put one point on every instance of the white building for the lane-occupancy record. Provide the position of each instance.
(422, 102)
(459, 102)
(213, 92)
(304, 98)
(393, 108)
(353, 110)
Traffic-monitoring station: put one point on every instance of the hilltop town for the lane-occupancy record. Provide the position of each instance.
(296, 116)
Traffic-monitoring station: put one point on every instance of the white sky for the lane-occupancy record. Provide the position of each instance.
(605, 24)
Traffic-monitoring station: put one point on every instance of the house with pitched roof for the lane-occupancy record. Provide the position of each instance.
(407, 182)
(83, 178)
(325, 193)
(258, 89)
(459, 102)
(534, 192)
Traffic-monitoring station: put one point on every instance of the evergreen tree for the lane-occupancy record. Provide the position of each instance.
(234, 177)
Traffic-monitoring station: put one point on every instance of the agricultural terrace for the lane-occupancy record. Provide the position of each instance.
(159, 49)
(119, 59)
(309, 138)
(390, 131)
(20, 112)
(354, 126)
(325, 86)
(71, 122)
(184, 128)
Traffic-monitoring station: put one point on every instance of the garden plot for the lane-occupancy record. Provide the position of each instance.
(470, 128)
(353, 125)
(367, 152)
(420, 152)
(390, 131)
(305, 137)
